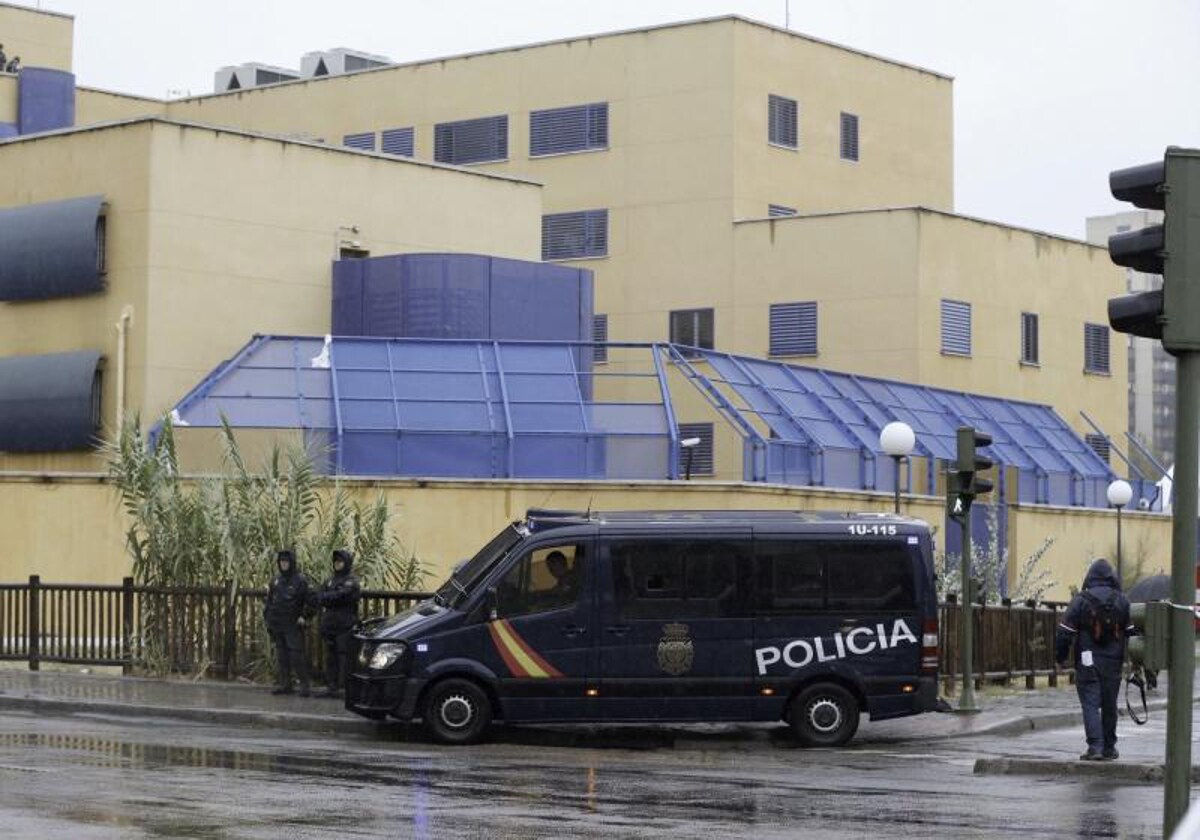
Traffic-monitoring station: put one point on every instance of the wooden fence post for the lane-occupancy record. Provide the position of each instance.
(35, 622)
(127, 625)
(229, 657)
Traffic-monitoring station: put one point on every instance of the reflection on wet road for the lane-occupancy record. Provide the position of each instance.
(82, 777)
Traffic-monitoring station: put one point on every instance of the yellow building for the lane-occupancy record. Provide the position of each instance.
(729, 183)
(658, 148)
(211, 236)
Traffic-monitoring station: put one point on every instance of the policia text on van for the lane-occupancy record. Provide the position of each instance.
(681, 616)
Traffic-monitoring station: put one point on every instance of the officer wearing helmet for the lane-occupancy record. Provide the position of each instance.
(287, 599)
(338, 600)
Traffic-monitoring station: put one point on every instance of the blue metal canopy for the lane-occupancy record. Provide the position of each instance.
(492, 409)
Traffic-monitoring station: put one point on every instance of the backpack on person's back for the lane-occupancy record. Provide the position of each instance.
(1101, 617)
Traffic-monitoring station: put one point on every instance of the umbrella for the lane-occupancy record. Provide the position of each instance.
(1153, 588)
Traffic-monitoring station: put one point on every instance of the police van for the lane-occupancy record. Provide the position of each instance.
(809, 618)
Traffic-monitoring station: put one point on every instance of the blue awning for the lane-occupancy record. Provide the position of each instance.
(51, 250)
(49, 403)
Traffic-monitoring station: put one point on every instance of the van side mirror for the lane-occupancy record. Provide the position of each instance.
(491, 604)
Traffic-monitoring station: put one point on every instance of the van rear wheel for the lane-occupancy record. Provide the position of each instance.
(824, 715)
(457, 711)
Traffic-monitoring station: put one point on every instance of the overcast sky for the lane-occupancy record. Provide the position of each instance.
(1049, 94)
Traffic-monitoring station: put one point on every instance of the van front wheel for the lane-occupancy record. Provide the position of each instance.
(457, 711)
(824, 715)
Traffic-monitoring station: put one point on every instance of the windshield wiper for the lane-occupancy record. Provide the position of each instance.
(462, 590)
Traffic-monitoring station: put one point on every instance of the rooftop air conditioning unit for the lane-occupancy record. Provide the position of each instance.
(339, 60)
(251, 75)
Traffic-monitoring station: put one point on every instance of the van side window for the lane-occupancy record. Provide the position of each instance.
(548, 578)
(796, 576)
(669, 579)
(791, 576)
(870, 576)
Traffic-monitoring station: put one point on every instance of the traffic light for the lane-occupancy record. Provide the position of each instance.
(971, 462)
(1150, 648)
(1171, 249)
(963, 483)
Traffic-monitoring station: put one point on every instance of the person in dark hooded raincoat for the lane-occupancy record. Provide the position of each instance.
(338, 600)
(1097, 625)
(287, 600)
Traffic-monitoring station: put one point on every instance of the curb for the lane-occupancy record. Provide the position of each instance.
(1148, 773)
(1034, 723)
(634, 738)
(233, 717)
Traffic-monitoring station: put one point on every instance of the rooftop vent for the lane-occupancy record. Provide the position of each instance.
(251, 75)
(339, 60)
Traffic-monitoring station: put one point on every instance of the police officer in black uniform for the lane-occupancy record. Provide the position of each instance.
(338, 600)
(287, 598)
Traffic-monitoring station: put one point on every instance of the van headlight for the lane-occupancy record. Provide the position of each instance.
(386, 655)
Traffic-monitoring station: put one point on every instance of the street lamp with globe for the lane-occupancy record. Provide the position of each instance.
(1119, 495)
(897, 441)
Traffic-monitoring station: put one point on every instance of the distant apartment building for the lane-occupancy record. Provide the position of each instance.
(1151, 368)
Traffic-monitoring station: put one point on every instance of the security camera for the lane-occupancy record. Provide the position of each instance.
(1143, 504)
(688, 443)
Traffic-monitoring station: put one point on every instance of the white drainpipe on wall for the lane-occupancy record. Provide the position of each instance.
(122, 339)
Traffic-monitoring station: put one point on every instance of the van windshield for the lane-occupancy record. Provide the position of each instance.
(465, 577)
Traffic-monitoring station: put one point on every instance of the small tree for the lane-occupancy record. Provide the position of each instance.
(206, 531)
(990, 565)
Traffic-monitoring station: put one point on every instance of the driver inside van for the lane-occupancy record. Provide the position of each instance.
(564, 588)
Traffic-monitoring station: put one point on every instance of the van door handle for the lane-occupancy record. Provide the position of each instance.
(617, 629)
(573, 630)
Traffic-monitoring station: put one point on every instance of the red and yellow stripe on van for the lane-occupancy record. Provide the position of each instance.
(521, 659)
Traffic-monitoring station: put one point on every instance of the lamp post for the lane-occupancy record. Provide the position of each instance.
(897, 440)
(1119, 494)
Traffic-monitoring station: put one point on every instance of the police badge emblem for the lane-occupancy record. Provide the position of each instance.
(675, 652)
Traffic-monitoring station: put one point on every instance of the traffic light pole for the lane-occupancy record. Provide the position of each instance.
(1183, 591)
(966, 700)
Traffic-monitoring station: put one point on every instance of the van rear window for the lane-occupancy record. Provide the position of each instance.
(835, 576)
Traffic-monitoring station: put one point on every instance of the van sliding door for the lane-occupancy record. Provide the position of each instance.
(676, 627)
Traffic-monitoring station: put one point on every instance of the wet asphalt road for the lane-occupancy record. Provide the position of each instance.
(93, 777)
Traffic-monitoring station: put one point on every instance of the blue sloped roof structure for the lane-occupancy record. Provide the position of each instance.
(451, 408)
(508, 409)
(822, 427)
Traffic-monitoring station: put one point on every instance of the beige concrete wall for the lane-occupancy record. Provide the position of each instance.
(905, 124)
(1081, 536)
(244, 228)
(215, 236)
(8, 98)
(879, 278)
(93, 105)
(40, 38)
(112, 163)
(862, 271)
(441, 521)
(444, 521)
(1003, 272)
(665, 178)
(687, 149)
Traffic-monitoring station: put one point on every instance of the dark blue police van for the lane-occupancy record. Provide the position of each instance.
(809, 618)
